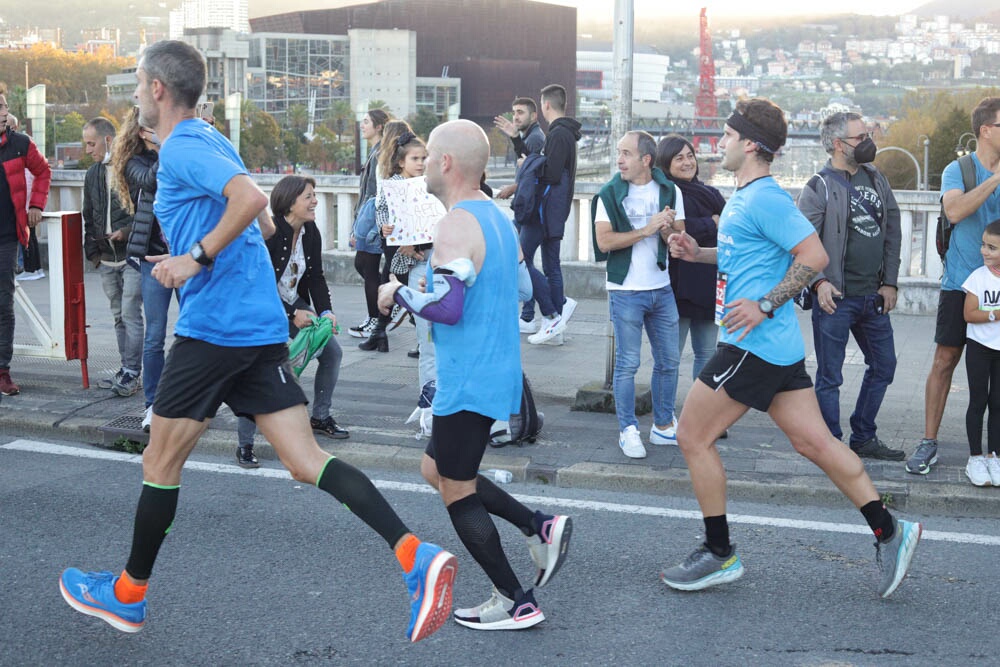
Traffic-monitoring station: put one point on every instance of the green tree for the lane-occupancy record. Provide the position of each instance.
(260, 137)
(340, 118)
(297, 118)
(423, 122)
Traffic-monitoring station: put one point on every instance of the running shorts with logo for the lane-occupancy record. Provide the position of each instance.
(750, 380)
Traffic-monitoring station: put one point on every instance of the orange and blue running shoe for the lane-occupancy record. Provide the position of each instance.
(430, 585)
(93, 593)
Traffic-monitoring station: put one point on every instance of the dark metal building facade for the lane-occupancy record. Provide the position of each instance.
(499, 48)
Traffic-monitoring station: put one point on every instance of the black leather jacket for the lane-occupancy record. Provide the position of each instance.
(146, 238)
(96, 199)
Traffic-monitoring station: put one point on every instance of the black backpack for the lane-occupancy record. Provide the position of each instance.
(522, 427)
(943, 232)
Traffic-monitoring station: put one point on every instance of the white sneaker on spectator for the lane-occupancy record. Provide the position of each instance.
(568, 309)
(31, 275)
(993, 467)
(555, 340)
(549, 329)
(147, 419)
(631, 443)
(977, 471)
(666, 436)
(527, 327)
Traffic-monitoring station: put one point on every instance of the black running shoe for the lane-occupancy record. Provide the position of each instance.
(245, 458)
(329, 428)
(876, 449)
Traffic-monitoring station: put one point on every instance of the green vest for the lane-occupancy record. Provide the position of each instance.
(612, 195)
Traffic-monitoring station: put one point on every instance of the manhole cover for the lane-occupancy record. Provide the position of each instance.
(129, 426)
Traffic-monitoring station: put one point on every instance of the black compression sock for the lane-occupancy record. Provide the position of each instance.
(351, 487)
(479, 535)
(879, 520)
(154, 516)
(500, 503)
(717, 535)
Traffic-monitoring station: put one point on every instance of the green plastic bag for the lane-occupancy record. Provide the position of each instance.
(308, 343)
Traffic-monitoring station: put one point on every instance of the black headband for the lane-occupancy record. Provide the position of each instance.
(405, 138)
(749, 130)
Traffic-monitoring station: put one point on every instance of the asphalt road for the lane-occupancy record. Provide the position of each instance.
(260, 570)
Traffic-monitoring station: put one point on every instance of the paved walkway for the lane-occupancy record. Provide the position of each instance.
(377, 391)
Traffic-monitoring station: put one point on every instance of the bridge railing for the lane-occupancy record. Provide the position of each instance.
(338, 195)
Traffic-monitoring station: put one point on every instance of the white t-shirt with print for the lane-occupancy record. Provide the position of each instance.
(288, 284)
(986, 287)
(642, 202)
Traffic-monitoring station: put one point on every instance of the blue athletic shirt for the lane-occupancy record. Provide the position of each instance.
(479, 357)
(235, 303)
(757, 230)
(967, 236)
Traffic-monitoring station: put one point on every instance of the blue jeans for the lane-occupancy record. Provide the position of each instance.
(873, 332)
(155, 304)
(122, 285)
(704, 339)
(657, 311)
(547, 284)
(8, 257)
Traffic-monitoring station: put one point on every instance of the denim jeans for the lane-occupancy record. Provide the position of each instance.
(155, 304)
(657, 311)
(873, 332)
(704, 339)
(8, 257)
(123, 287)
(327, 373)
(427, 366)
(547, 284)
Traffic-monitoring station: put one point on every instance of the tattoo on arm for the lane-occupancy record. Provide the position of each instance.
(797, 277)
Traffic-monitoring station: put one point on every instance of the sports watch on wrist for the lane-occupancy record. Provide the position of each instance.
(766, 307)
(199, 255)
(993, 316)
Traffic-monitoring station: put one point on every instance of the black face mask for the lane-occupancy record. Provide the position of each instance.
(865, 151)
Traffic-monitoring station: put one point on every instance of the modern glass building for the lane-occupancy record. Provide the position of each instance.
(288, 69)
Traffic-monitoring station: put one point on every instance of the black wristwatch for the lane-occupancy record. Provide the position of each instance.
(766, 307)
(199, 255)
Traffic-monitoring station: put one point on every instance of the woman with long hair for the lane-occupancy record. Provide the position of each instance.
(693, 284)
(296, 250)
(133, 166)
(367, 257)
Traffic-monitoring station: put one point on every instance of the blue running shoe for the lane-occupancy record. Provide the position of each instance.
(703, 569)
(430, 585)
(899, 553)
(93, 593)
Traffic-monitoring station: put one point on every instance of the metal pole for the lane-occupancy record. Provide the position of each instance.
(621, 120)
(927, 148)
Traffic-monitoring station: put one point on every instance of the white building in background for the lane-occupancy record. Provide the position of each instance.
(594, 73)
(383, 66)
(231, 14)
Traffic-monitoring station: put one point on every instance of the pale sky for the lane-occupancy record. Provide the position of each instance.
(741, 7)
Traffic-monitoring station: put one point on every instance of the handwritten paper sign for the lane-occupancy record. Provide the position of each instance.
(412, 210)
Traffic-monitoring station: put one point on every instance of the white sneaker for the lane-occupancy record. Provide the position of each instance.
(555, 340)
(31, 275)
(667, 436)
(550, 328)
(527, 327)
(568, 309)
(147, 419)
(631, 443)
(993, 466)
(977, 471)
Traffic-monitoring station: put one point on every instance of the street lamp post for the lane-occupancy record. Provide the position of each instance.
(927, 149)
(963, 149)
(906, 153)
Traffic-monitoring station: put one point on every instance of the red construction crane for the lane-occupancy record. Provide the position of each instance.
(705, 107)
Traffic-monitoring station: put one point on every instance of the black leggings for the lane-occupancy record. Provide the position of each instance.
(366, 264)
(982, 366)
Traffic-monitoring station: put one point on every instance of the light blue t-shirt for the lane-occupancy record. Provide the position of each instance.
(967, 236)
(235, 302)
(479, 357)
(757, 230)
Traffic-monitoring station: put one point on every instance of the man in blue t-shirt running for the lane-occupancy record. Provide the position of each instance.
(767, 252)
(230, 347)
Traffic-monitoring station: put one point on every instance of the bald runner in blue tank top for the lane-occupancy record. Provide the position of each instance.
(479, 357)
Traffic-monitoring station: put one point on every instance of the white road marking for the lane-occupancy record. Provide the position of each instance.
(618, 508)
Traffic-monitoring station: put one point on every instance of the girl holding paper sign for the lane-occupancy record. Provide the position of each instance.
(399, 158)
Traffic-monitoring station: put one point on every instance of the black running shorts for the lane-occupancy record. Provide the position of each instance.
(950, 330)
(199, 377)
(458, 442)
(750, 380)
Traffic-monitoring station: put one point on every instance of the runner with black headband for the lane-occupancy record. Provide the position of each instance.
(767, 252)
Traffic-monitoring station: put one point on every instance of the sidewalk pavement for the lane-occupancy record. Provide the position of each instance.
(376, 392)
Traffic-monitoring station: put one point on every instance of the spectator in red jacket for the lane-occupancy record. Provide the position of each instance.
(18, 212)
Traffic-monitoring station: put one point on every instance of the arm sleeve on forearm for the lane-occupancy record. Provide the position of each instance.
(524, 290)
(445, 304)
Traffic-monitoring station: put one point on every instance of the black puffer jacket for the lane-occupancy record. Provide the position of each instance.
(96, 198)
(146, 238)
